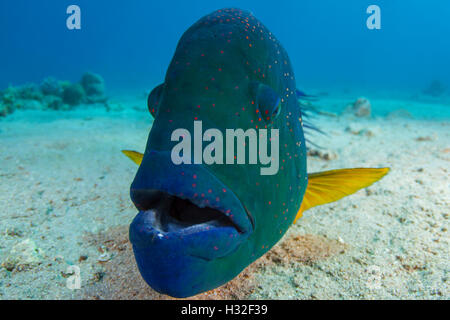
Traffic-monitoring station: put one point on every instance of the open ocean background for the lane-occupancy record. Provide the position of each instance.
(71, 100)
(131, 43)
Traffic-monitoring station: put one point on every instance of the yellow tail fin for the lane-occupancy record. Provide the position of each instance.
(135, 156)
(329, 186)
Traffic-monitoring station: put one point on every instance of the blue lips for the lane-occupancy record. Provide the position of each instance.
(188, 221)
(176, 262)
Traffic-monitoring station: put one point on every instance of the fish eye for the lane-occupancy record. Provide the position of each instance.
(276, 110)
(153, 100)
(268, 101)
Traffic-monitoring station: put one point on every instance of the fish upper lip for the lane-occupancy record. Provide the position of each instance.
(209, 212)
(158, 176)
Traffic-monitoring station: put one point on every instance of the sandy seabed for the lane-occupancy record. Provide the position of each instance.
(64, 200)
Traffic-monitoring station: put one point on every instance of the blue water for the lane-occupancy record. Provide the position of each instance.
(63, 178)
(131, 43)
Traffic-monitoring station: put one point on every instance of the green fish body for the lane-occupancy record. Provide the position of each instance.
(201, 224)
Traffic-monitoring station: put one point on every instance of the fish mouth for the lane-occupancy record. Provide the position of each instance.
(185, 210)
(189, 223)
(186, 196)
(173, 214)
(178, 242)
(174, 222)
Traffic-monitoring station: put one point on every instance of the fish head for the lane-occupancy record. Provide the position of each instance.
(200, 224)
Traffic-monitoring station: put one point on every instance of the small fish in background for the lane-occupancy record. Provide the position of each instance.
(200, 225)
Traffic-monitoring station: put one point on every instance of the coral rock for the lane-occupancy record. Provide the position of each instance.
(362, 108)
(54, 103)
(94, 86)
(400, 113)
(51, 87)
(74, 94)
(435, 89)
(359, 129)
(23, 255)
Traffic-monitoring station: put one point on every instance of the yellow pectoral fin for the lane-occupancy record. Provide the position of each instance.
(329, 186)
(135, 156)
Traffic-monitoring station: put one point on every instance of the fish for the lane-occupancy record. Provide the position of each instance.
(199, 225)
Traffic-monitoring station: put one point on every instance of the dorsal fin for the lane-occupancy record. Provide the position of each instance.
(329, 186)
(303, 96)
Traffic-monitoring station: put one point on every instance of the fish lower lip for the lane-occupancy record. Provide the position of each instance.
(173, 223)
